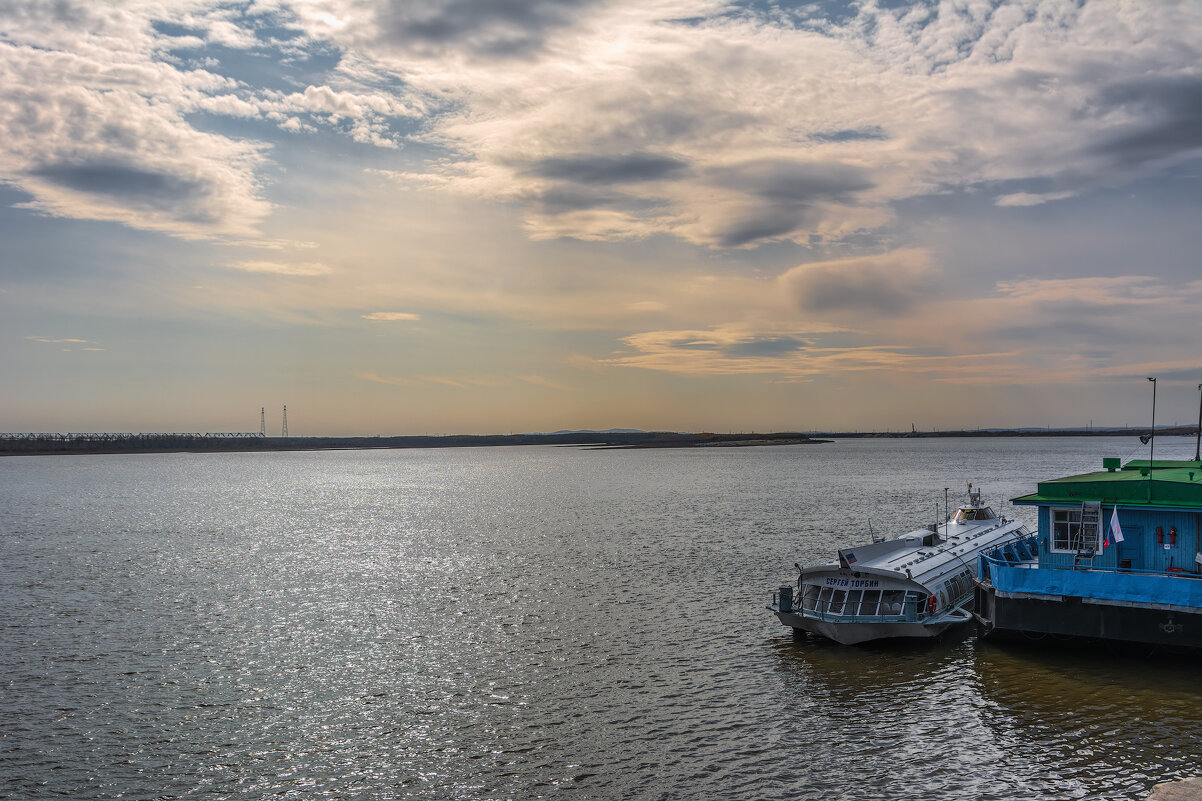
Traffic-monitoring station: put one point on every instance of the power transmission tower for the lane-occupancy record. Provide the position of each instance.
(285, 432)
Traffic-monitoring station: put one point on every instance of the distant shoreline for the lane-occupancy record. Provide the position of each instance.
(73, 444)
(1175, 431)
(68, 444)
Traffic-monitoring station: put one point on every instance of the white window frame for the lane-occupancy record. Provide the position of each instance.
(1075, 520)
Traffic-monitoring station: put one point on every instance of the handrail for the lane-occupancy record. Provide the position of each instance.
(1126, 571)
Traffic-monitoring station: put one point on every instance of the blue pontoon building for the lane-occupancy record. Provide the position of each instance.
(1117, 557)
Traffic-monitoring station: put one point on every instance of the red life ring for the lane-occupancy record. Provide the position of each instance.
(931, 603)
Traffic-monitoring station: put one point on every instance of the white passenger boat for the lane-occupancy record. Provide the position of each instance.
(917, 585)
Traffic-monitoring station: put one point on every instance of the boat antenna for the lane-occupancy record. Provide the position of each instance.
(947, 509)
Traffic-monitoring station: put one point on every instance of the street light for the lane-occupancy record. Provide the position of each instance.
(1152, 455)
(1198, 443)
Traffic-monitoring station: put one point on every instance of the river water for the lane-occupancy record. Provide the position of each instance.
(532, 622)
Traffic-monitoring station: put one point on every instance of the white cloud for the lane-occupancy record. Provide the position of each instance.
(1032, 199)
(791, 354)
(306, 268)
(72, 344)
(778, 131)
(1097, 292)
(646, 306)
(391, 316)
(376, 378)
(541, 381)
(95, 105)
(92, 125)
(608, 120)
(51, 341)
(887, 284)
(459, 381)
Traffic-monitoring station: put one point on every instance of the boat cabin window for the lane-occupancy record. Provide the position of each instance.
(809, 597)
(852, 606)
(959, 586)
(891, 602)
(973, 513)
(836, 603)
(964, 584)
(870, 601)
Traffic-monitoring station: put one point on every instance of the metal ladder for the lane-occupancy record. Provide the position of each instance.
(1091, 519)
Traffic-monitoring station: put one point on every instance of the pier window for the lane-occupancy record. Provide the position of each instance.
(1067, 534)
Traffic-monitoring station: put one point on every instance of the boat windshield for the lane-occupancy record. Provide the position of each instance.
(973, 513)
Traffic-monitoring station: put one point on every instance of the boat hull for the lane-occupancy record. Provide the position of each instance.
(846, 633)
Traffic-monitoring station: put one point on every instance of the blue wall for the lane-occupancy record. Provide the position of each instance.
(1140, 545)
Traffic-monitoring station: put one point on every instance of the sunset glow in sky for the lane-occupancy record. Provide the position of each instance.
(492, 216)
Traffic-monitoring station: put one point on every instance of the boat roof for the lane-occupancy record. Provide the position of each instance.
(1159, 484)
(911, 557)
(956, 551)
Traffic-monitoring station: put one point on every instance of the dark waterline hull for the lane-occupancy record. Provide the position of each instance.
(1077, 618)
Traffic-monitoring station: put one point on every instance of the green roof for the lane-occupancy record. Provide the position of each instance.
(1171, 484)
(1162, 464)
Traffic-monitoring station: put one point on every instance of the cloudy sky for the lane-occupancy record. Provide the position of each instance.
(412, 216)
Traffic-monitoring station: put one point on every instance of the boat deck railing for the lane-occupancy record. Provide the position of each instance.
(988, 563)
(913, 610)
(1094, 584)
(1018, 553)
(835, 617)
(1033, 564)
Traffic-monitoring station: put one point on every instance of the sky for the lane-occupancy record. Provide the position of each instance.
(502, 216)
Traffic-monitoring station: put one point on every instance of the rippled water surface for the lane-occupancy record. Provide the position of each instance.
(531, 622)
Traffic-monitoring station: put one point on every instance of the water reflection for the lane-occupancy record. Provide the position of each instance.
(1116, 724)
(872, 672)
(963, 718)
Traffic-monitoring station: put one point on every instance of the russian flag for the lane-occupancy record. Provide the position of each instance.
(1115, 531)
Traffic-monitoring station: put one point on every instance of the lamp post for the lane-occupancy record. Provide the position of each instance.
(1152, 455)
(1198, 442)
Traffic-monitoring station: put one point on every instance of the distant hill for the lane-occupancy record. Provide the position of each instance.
(587, 431)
